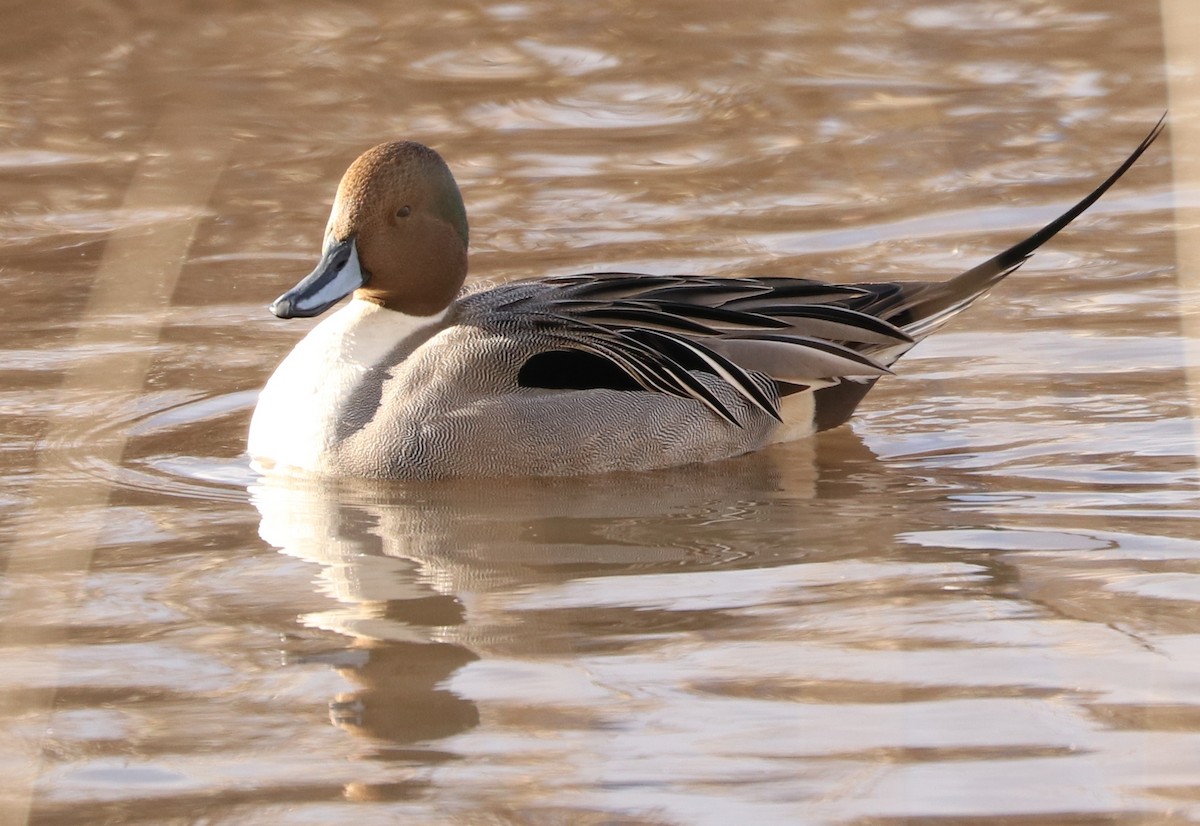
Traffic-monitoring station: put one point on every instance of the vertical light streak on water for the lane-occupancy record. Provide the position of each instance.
(1181, 27)
(136, 279)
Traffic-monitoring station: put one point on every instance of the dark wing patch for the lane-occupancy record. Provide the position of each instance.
(573, 370)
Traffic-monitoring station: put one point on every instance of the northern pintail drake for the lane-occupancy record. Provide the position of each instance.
(572, 374)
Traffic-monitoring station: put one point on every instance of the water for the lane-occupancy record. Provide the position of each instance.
(976, 604)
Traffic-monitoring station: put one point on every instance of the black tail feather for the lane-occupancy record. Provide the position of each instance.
(919, 308)
(925, 307)
(984, 275)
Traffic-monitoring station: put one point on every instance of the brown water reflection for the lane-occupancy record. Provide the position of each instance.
(978, 604)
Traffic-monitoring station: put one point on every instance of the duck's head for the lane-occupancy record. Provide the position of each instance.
(397, 236)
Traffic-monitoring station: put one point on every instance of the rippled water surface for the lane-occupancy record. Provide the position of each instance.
(978, 603)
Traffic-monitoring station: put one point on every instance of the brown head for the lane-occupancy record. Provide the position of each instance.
(397, 236)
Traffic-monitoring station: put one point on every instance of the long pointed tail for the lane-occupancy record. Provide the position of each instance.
(925, 307)
(919, 308)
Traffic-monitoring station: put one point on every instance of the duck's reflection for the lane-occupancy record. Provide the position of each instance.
(400, 701)
(415, 568)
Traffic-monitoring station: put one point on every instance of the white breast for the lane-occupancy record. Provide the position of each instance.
(295, 423)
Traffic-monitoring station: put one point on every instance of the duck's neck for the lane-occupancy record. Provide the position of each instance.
(323, 386)
(364, 335)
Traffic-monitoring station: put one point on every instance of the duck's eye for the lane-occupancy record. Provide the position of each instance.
(404, 212)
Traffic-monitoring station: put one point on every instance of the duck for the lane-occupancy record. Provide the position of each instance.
(417, 378)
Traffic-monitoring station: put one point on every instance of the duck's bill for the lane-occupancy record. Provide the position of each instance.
(337, 275)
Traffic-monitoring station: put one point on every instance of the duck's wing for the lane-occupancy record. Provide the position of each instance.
(657, 330)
